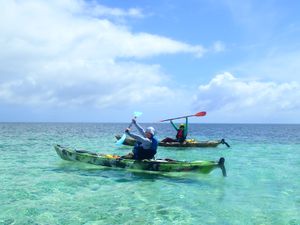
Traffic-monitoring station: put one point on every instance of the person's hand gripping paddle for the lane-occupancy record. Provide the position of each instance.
(122, 139)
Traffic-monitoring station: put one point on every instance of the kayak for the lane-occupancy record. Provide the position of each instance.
(187, 143)
(163, 165)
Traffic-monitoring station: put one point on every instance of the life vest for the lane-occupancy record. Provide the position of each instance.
(141, 153)
(154, 145)
(180, 135)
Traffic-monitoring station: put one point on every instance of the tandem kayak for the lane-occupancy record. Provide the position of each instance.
(187, 143)
(163, 165)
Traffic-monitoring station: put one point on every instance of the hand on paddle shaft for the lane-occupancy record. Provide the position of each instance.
(132, 122)
(197, 114)
(122, 139)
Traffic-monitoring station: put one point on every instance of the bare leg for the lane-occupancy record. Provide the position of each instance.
(128, 156)
(167, 139)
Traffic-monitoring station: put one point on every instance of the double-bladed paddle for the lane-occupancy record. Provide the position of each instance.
(122, 139)
(197, 114)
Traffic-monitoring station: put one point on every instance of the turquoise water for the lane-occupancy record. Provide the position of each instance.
(37, 187)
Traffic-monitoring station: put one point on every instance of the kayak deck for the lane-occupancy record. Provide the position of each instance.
(187, 143)
(163, 165)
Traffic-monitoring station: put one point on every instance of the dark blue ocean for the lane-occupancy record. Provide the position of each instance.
(38, 187)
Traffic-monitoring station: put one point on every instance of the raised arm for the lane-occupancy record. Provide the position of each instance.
(139, 128)
(175, 127)
(139, 138)
(186, 127)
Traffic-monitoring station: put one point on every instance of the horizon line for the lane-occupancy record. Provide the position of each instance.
(90, 122)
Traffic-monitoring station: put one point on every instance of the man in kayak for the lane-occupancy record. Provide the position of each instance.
(181, 132)
(146, 144)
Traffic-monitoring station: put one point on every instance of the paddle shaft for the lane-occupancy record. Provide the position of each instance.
(197, 114)
(130, 125)
(122, 139)
(177, 118)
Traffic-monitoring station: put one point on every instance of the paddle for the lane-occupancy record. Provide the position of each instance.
(197, 114)
(122, 139)
(225, 143)
(222, 166)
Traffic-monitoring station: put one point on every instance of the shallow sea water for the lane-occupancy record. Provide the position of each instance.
(38, 187)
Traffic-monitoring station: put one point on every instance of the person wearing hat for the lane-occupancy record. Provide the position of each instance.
(146, 143)
(181, 132)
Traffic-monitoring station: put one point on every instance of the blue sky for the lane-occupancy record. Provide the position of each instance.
(99, 61)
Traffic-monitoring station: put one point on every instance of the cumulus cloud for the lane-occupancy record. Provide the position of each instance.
(66, 52)
(101, 10)
(228, 93)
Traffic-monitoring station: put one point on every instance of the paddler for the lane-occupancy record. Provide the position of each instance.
(181, 134)
(146, 143)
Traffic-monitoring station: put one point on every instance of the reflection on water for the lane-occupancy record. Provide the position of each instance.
(129, 175)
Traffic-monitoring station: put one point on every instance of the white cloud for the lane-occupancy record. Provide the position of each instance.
(101, 10)
(55, 52)
(244, 99)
